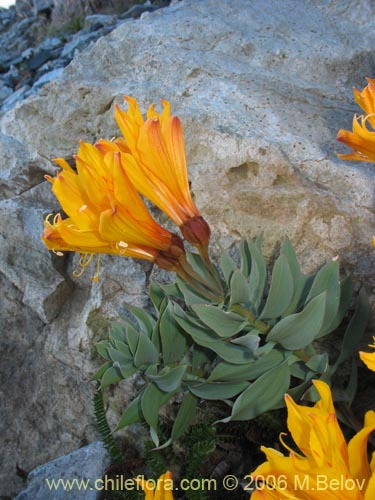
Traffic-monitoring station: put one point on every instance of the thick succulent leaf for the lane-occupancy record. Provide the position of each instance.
(173, 340)
(100, 372)
(230, 372)
(250, 341)
(132, 337)
(155, 337)
(126, 369)
(191, 296)
(298, 330)
(157, 294)
(117, 355)
(281, 290)
(132, 414)
(217, 390)
(354, 330)
(327, 280)
(146, 353)
(124, 348)
(117, 331)
(184, 416)
(172, 290)
(318, 363)
(346, 295)
(245, 258)
(152, 400)
(225, 324)
(206, 338)
(302, 282)
(258, 276)
(102, 348)
(168, 379)
(262, 395)
(111, 376)
(228, 266)
(145, 320)
(201, 358)
(239, 289)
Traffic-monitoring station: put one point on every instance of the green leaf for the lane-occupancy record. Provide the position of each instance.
(152, 400)
(258, 276)
(327, 280)
(102, 348)
(124, 348)
(184, 416)
(117, 331)
(173, 340)
(206, 338)
(216, 390)
(201, 358)
(100, 372)
(119, 356)
(157, 295)
(262, 395)
(250, 341)
(126, 369)
(298, 330)
(281, 290)
(132, 337)
(302, 283)
(318, 363)
(228, 266)
(346, 294)
(190, 296)
(110, 376)
(146, 353)
(145, 320)
(245, 258)
(230, 372)
(354, 330)
(168, 379)
(225, 324)
(239, 289)
(132, 414)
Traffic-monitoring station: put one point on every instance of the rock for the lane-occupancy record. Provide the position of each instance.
(261, 88)
(85, 466)
(48, 77)
(5, 91)
(97, 21)
(15, 97)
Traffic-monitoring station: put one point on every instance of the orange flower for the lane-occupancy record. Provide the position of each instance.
(328, 468)
(154, 157)
(369, 357)
(361, 140)
(105, 213)
(162, 490)
(366, 100)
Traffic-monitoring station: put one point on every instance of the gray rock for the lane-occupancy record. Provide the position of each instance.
(86, 466)
(48, 77)
(5, 91)
(15, 97)
(262, 88)
(97, 21)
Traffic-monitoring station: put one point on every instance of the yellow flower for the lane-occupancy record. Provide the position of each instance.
(328, 467)
(366, 100)
(153, 154)
(161, 491)
(369, 357)
(361, 140)
(105, 213)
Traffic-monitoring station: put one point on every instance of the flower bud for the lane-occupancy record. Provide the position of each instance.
(196, 231)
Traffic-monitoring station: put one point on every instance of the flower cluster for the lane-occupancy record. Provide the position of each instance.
(101, 197)
(362, 138)
(327, 466)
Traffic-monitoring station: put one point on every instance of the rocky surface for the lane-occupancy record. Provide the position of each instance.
(38, 38)
(262, 88)
(83, 468)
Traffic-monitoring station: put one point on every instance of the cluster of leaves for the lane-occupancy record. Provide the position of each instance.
(247, 350)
